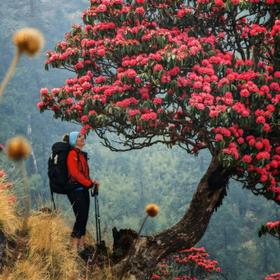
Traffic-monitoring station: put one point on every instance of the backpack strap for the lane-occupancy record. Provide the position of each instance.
(54, 206)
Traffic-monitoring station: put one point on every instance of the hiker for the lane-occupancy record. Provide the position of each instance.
(80, 183)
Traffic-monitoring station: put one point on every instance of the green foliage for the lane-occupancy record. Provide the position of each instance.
(130, 181)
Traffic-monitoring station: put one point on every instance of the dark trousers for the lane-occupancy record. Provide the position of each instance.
(80, 203)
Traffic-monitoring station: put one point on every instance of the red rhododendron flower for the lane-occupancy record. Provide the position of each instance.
(149, 116)
(271, 225)
(140, 11)
(155, 276)
(247, 158)
(131, 73)
(101, 8)
(133, 112)
(44, 91)
(219, 3)
(157, 101)
(260, 119)
(219, 137)
(259, 145)
(181, 13)
(274, 276)
(157, 67)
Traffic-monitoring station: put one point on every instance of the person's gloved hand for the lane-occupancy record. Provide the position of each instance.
(95, 187)
(95, 183)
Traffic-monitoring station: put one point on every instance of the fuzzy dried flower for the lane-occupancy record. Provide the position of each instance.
(18, 148)
(152, 209)
(28, 40)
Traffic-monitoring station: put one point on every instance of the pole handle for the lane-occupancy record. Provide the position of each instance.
(94, 190)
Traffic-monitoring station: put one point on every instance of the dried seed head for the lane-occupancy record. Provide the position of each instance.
(152, 209)
(18, 148)
(28, 40)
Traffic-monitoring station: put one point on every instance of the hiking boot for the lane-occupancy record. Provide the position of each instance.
(86, 253)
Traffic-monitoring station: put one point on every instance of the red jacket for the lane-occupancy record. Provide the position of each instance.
(78, 168)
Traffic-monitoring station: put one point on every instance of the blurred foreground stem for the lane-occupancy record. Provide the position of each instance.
(143, 224)
(10, 72)
(26, 198)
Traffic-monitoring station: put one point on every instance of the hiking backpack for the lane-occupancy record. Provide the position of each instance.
(57, 168)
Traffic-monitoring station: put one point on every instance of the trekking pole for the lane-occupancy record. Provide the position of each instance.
(98, 230)
(94, 192)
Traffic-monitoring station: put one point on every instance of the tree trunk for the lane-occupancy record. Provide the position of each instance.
(146, 252)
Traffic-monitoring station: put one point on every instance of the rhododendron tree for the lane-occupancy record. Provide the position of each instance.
(199, 75)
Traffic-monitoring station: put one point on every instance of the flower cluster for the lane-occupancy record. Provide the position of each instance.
(272, 227)
(274, 276)
(199, 257)
(195, 258)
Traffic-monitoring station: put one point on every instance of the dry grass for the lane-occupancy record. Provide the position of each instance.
(25, 269)
(48, 239)
(46, 255)
(42, 252)
(9, 221)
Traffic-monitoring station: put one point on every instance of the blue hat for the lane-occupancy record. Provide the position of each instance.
(73, 138)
